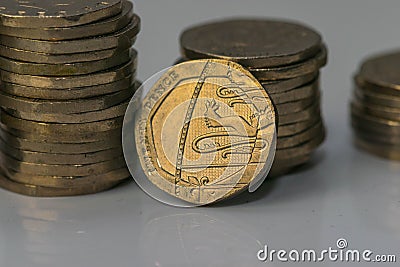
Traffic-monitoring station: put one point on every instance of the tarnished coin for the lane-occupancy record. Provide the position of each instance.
(375, 136)
(41, 191)
(300, 138)
(360, 118)
(311, 65)
(97, 28)
(68, 94)
(378, 110)
(381, 71)
(65, 107)
(300, 93)
(60, 128)
(59, 159)
(55, 170)
(70, 82)
(309, 113)
(56, 13)
(251, 42)
(373, 88)
(297, 106)
(205, 131)
(71, 69)
(391, 152)
(124, 37)
(282, 86)
(72, 182)
(298, 127)
(60, 147)
(372, 98)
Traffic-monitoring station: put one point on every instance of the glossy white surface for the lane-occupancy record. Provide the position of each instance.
(345, 193)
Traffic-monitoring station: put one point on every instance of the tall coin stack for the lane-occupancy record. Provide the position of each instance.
(375, 109)
(286, 58)
(67, 75)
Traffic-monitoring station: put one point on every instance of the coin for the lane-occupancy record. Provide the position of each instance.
(295, 128)
(67, 170)
(74, 182)
(40, 191)
(69, 82)
(59, 159)
(79, 147)
(123, 38)
(379, 149)
(378, 110)
(300, 138)
(211, 98)
(97, 28)
(60, 128)
(251, 42)
(375, 136)
(368, 87)
(65, 107)
(381, 71)
(280, 168)
(68, 94)
(312, 65)
(307, 91)
(282, 86)
(372, 122)
(372, 98)
(309, 113)
(297, 106)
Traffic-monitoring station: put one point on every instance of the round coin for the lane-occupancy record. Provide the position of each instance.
(280, 168)
(282, 86)
(55, 13)
(378, 110)
(375, 136)
(360, 118)
(204, 132)
(251, 42)
(297, 94)
(301, 116)
(297, 106)
(300, 138)
(97, 28)
(298, 127)
(379, 149)
(372, 98)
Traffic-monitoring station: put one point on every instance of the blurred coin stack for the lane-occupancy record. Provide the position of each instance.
(375, 109)
(286, 58)
(67, 75)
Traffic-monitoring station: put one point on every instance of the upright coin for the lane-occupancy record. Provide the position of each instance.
(252, 42)
(205, 131)
(56, 13)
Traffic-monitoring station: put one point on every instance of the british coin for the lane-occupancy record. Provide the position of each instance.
(59, 159)
(206, 96)
(122, 38)
(43, 58)
(251, 42)
(372, 98)
(53, 107)
(375, 136)
(301, 150)
(68, 181)
(297, 106)
(300, 116)
(60, 128)
(99, 115)
(55, 170)
(298, 127)
(373, 88)
(379, 149)
(70, 82)
(41, 191)
(71, 69)
(359, 118)
(311, 65)
(280, 168)
(285, 85)
(378, 110)
(97, 28)
(50, 13)
(381, 71)
(307, 91)
(300, 138)
(77, 137)
(68, 94)
(79, 147)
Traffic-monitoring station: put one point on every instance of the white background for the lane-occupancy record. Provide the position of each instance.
(344, 193)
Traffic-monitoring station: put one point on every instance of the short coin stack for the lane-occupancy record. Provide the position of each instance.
(375, 109)
(67, 75)
(286, 58)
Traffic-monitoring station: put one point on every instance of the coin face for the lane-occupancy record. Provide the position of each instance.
(205, 131)
(252, 42)
(56, 13)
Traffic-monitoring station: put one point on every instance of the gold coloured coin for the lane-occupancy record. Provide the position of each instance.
(297, 94)
(55, 13)
(297, 106)
(391, 152)
(124, 37)
(301, 116)
(378, 110)
(359, 118)
(97, 28)
(70, 82)
(389, 101)
(298, 127)
(282, 86)
(205, 131)
(300, 138)
(68, 181)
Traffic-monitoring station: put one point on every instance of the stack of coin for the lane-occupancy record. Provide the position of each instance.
(67, 75)
(286, 58)
(375, 109)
